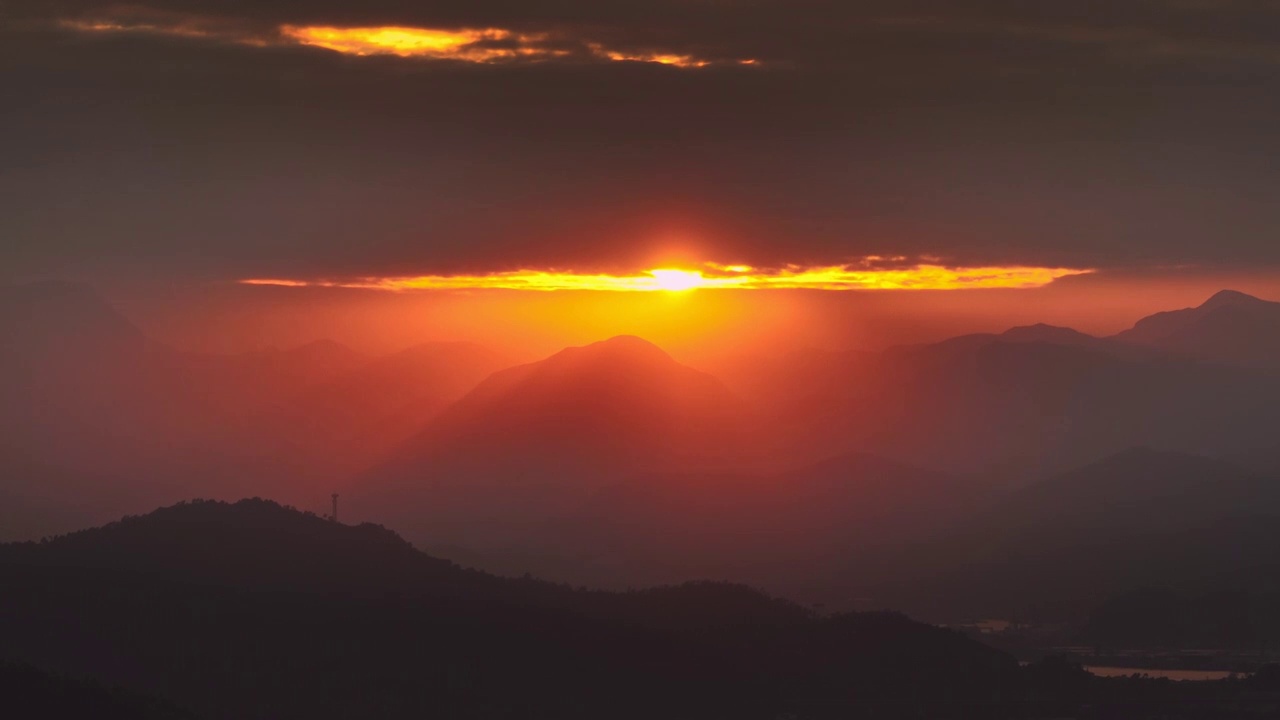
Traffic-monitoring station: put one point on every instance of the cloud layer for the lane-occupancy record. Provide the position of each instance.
(283, 138)
(872, 273)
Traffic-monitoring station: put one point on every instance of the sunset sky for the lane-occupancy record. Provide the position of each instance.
(435, 163)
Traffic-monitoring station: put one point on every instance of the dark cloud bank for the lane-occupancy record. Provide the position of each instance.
(1117, 135)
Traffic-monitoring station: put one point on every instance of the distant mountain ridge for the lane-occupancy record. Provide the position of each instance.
(375, 407)
(40, 317)
(769, 530)
(1022, 334)
(1036, 401)
(1141, 491)
(625, 386)
(537, 439)
(96, 418)
(1231, 328)
(1137, 518)
(1052, 334)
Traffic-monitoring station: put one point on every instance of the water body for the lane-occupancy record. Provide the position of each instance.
(1170, 674)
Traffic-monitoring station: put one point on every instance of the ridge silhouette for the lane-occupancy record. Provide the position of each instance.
(366, 624)
(536, 440)
(1230, 328)
(27, 692)
(328, 621)
(1068, 543)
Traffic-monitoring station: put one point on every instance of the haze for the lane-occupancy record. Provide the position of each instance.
(689, 359)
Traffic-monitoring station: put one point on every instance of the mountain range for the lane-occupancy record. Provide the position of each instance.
(844, 478)
(1230, 328)
(1036, 401)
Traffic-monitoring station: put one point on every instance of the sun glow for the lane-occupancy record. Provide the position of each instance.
(677, 280)
(865, 275)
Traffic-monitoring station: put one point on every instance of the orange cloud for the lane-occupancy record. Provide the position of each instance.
(675, 60)
(863, 276)
(469, 45)
(479, 45)
(472, 45)
(167, 24)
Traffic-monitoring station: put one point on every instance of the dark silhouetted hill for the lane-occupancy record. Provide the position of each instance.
(30, 694)
(1168, 619)
(262, 546)
(298, 617)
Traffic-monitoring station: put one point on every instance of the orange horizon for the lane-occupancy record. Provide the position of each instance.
(711, 276)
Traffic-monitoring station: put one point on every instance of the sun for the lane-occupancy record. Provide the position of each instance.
(677, 280)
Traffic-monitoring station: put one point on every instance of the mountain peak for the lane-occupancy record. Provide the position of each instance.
(248, 543)
(1230, 328)
(533, 441)
(1042, 332)
(1038, 327)
(628, 342)
(620, 347)
(1226, 298)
